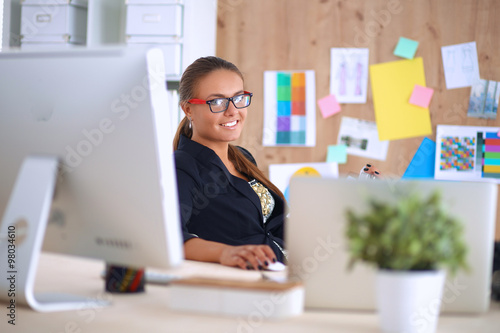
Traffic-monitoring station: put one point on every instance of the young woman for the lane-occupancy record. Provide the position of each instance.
(231, 213)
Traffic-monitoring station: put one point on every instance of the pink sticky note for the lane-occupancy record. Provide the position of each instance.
(328, 106)
(421, 96)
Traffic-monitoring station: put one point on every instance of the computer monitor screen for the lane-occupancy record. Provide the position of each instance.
(103, 114)
(318, 252)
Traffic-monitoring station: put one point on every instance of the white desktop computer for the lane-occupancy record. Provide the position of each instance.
(86, 165)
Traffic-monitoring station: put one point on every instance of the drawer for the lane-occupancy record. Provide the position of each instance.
(172, 54)
(48, 46)
(154, 20)
(54, 20)
(51, 39)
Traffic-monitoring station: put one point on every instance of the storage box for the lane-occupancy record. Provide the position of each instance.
(54, 21)
(154, 21)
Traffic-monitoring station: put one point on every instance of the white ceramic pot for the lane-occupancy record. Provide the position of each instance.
(409, 301)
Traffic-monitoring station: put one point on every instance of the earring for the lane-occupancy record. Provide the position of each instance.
(190, 125)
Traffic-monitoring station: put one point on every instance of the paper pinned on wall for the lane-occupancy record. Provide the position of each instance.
(349, 74)
(421, 96)
(422, 163)
(337, 154)
(467, 153)
(392, 85)
(281, 174)
(406, 48)
(483, 102)
(328, 106)
(362, 139)
(460, 64)
(289, 108)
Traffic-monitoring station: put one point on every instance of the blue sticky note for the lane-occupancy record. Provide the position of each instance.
(422, 163)
(337, 153)
(406, 48)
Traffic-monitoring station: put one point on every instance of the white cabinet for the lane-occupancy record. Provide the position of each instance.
(157, 24)
(184, 29)
(53, 23)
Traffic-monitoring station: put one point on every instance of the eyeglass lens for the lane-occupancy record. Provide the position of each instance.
(221, 104)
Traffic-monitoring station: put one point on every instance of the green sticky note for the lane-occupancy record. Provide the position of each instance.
(406, 48)
(337, 153)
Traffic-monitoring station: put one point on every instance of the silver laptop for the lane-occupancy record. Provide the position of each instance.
(317, 247)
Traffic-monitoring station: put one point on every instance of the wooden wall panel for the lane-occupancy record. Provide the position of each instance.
(259, 35)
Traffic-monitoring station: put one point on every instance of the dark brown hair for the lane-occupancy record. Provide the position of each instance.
(187, 87)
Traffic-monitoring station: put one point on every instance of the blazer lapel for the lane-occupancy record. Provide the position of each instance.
(207, 156)
(240, 185)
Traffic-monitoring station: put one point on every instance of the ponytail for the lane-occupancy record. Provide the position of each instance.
(183, 129)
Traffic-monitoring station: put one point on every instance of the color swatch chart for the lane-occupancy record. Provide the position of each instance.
(291, 113)
(490, 148)
(289, 108)
(467, 153)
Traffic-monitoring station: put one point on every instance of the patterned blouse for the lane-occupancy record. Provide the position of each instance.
(266, 199)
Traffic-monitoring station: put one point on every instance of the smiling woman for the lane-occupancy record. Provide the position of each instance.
(231, 213)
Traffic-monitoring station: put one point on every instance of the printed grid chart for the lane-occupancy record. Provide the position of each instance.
(457, 153)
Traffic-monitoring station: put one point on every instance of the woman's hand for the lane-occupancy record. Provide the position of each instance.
(247, 256)
(243, 256)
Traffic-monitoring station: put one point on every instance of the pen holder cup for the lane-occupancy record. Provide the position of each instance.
(121, 279)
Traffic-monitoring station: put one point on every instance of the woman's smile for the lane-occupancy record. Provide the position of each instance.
(230, 125)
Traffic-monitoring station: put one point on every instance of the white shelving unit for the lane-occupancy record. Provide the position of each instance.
(106, 24)
(190, 36)
(184, 29)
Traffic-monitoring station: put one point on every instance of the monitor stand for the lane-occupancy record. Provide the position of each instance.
(22, 230)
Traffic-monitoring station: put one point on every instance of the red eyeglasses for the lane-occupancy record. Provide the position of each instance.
(217, 105)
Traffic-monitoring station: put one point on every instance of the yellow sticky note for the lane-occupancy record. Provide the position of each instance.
(392, 85)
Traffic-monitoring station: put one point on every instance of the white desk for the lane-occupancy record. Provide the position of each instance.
(148, 312)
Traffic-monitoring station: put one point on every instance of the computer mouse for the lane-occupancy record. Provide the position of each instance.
(275, 266)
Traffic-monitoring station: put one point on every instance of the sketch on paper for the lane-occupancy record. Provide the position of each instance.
(460, 64)
(483, 102)
(349, 74)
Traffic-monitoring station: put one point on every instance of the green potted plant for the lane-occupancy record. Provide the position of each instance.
(412, 241)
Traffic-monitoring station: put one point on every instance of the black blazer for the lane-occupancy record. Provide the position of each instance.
(220, 207)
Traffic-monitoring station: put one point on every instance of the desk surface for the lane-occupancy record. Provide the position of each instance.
(149, 312)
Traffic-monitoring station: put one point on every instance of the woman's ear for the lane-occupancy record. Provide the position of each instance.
(186, 108)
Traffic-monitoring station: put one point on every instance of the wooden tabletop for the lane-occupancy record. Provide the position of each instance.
(149, 311)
